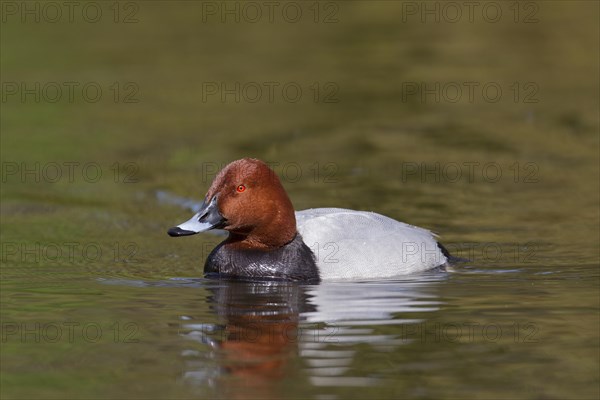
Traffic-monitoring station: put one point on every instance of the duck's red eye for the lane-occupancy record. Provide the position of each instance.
(241, 188)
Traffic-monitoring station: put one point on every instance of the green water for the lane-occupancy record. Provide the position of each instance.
(98, 302)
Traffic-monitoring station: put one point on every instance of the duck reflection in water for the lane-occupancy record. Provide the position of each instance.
(273, 332)
(257, 338)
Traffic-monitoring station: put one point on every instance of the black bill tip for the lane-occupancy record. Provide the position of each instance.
(177, 231)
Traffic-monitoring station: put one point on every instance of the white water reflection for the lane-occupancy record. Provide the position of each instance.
(351, 313)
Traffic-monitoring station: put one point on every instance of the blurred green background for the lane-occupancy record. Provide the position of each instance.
(362, 135)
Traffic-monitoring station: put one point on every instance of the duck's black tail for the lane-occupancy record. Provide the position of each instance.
(451, 259)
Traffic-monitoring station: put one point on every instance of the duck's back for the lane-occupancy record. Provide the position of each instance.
(352, 244)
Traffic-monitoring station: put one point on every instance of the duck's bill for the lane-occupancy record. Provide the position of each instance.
(190, 227)
(206, 219)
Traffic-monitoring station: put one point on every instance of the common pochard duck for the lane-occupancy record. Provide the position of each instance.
(268, 240)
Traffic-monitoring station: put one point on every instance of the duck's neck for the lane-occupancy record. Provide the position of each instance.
(259, 242)
(280, 231)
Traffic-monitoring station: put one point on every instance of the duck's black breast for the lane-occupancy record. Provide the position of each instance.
(292, 262)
